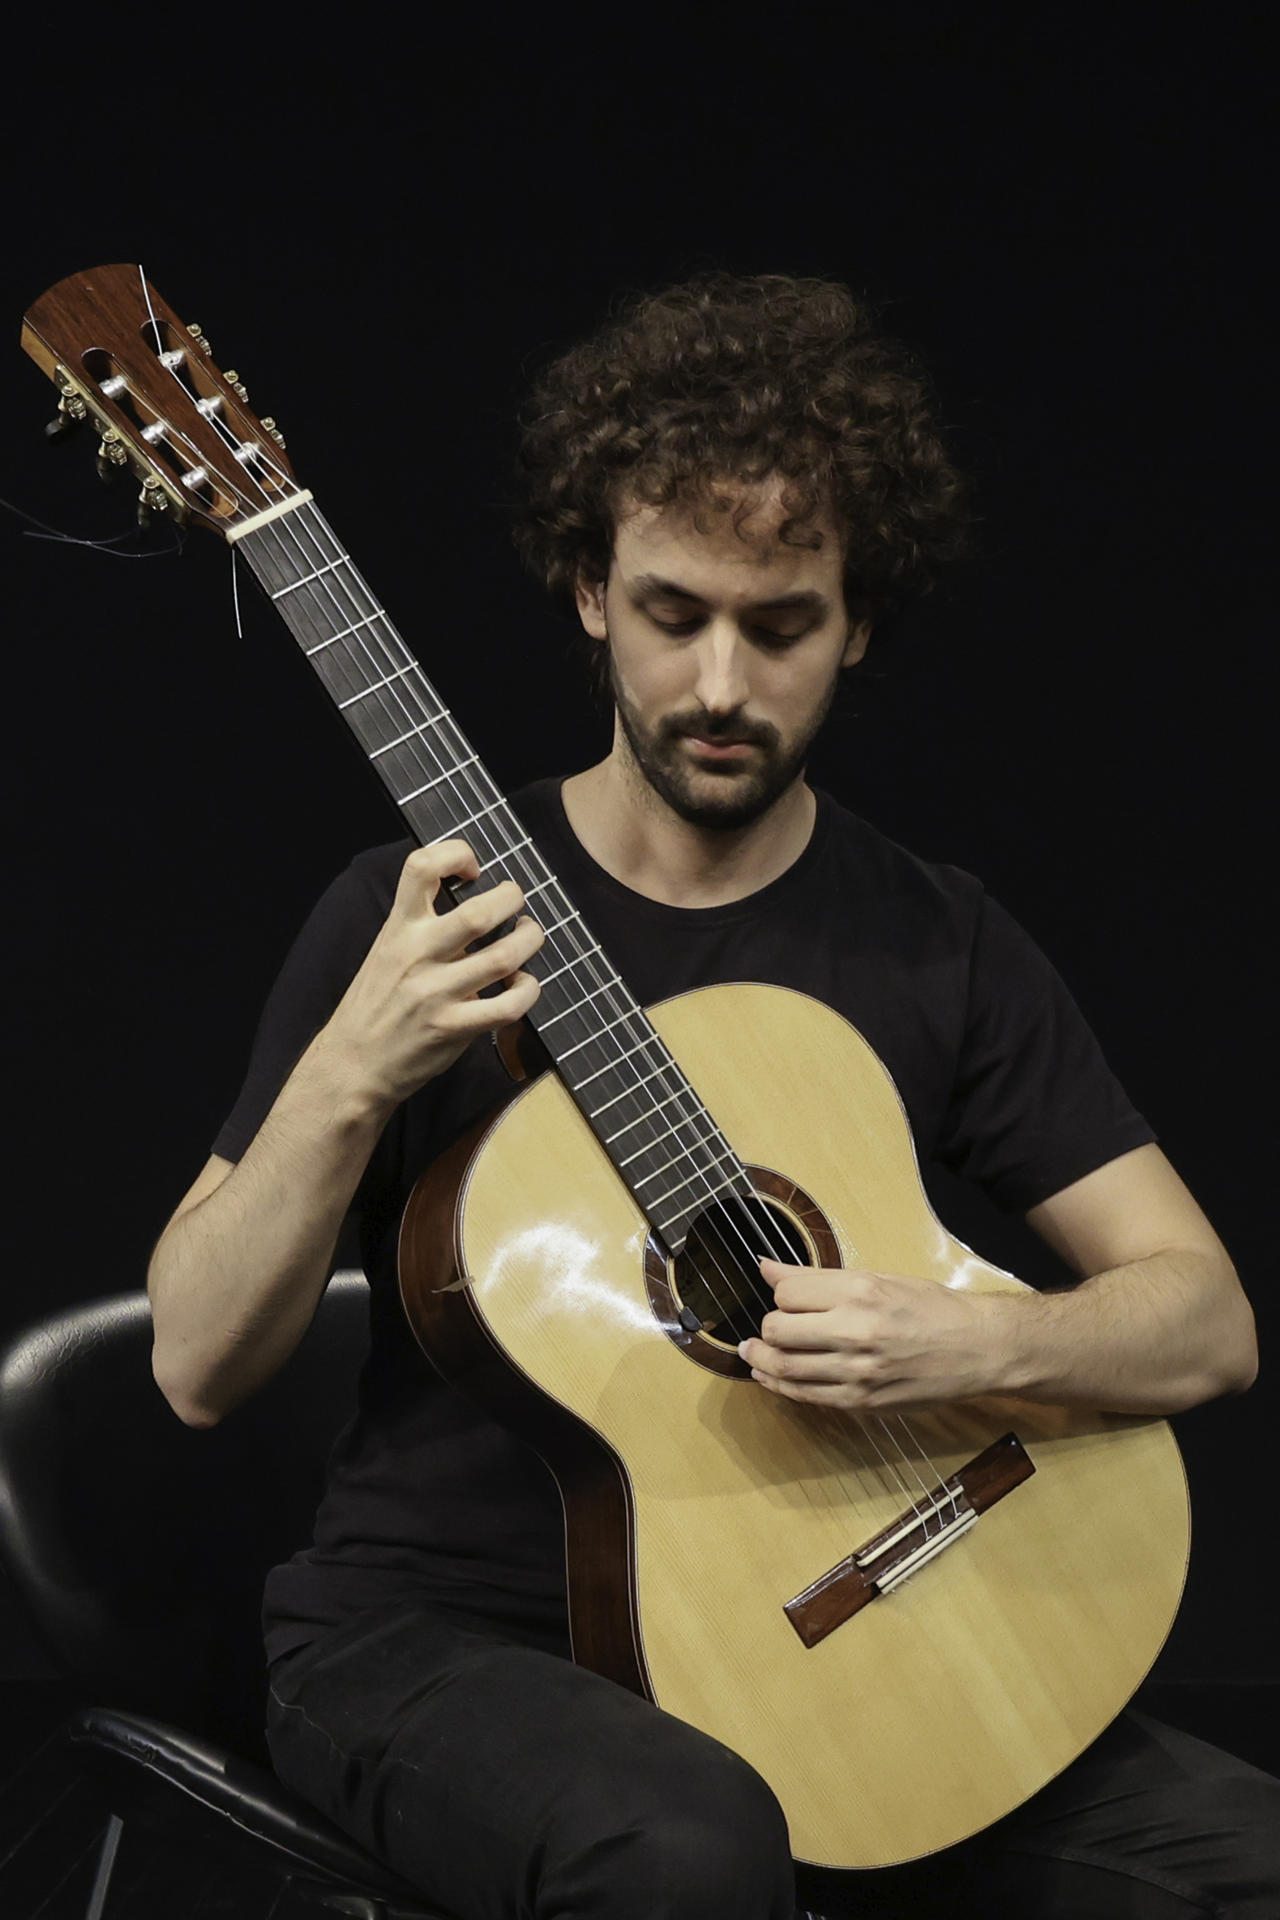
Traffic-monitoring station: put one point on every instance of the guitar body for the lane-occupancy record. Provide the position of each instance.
(698, 1504)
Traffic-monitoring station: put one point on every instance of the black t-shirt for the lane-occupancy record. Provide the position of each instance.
(1001, 1079)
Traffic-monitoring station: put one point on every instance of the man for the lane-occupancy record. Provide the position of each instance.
(734, 481)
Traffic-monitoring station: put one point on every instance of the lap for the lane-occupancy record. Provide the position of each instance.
(502, 1780)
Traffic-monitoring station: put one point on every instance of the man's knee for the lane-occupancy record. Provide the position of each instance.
(707, 1839)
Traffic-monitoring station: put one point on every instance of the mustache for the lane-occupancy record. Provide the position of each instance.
(723, 728)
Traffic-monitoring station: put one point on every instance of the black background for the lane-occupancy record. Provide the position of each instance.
(1064, 215)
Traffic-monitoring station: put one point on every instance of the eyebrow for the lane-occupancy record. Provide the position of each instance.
(652, 585)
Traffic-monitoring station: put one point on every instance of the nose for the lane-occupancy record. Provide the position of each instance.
(722, 679)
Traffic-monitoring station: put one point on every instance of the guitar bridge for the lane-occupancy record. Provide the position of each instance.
(912, 1540)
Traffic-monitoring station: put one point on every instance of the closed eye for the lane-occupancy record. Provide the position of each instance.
(764, 636)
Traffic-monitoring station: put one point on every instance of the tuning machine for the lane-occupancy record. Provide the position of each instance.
(152, 499)
(112, 454)
(71, 412)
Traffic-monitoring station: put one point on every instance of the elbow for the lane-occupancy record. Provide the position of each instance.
(190, 1406)
(1235, 1365)
(1245, 1373)
(1244, 1369)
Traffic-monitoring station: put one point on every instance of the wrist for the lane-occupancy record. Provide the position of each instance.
(1016, 1333)
(334, 1086)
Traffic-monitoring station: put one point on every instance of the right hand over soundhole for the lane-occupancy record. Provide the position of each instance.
(413, 1007)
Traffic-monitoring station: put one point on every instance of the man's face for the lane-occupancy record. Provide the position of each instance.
(725, 648)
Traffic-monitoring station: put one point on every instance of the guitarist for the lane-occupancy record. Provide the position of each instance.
(734, 483)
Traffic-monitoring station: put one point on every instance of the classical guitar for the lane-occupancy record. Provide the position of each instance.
(907, 1625)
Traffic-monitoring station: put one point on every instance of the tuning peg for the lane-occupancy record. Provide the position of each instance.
(112, 454)
(152, 499)
(71, 411)
(237, 385)
(273, 429)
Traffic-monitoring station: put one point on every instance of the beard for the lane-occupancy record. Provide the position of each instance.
(723, 796)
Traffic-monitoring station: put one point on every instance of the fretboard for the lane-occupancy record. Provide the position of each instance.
(646, 1116)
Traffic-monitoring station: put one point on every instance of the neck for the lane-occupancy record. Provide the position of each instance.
(631, 832)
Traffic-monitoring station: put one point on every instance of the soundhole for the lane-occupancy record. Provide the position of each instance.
(719, 1289)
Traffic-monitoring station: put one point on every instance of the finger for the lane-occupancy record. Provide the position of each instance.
(805, 1289)
(504, 957)
(426, 867)
(809, 1367)
(801, 1333)
(474, 922)
(844, 1397)
(499, 1009)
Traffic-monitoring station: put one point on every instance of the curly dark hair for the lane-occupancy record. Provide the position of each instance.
(738, 378)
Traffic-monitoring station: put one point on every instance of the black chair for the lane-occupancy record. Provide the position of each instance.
(138, 1547)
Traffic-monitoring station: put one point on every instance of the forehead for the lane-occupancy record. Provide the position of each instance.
(728, 544)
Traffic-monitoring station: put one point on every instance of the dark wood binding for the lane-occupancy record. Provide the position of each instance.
(438, 1300)
(848, 1587)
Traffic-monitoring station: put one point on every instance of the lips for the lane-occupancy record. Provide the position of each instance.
(718, 749)
(731, 743)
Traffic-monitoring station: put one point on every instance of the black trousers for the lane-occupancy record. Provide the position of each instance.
(507, 1784)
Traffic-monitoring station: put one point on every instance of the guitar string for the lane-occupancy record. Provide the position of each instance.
(284, 482)
(345, 601)
(332, 589)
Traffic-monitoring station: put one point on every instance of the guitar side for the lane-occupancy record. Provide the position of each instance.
(697, 1505)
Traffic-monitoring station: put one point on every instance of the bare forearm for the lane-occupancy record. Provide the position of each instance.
(236, 1276)
(1155, 1336)
(234, 1281)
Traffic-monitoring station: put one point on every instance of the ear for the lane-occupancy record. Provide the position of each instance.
(589, 595)
(856, 645)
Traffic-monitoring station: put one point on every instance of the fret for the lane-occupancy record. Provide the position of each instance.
(377, 686)
(593, 1039)
(443, 790)
(541, 887)
(681, 1093)
(343, 560)
(712, 1193)
(507, 851)
(427, 785)
(610, 983)
(650, 1040)
(577, 960)
(682, 1159)
(469, 821)
(668, 1133)
(666, 1066)
(368, 622)
(432, 720)
(556, 925)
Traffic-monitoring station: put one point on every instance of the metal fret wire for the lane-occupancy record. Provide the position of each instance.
(501, 841)
(437, 723)
(351, 586)
(235, 485)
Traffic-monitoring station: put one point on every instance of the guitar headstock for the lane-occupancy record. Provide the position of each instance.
(121, 357)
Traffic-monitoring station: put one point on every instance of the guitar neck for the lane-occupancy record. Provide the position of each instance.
(619, 1073)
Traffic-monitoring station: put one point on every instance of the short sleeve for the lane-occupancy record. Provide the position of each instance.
(1034, 1104)
(317, 971)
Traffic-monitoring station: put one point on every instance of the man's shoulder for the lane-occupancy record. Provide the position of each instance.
(882, 866)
